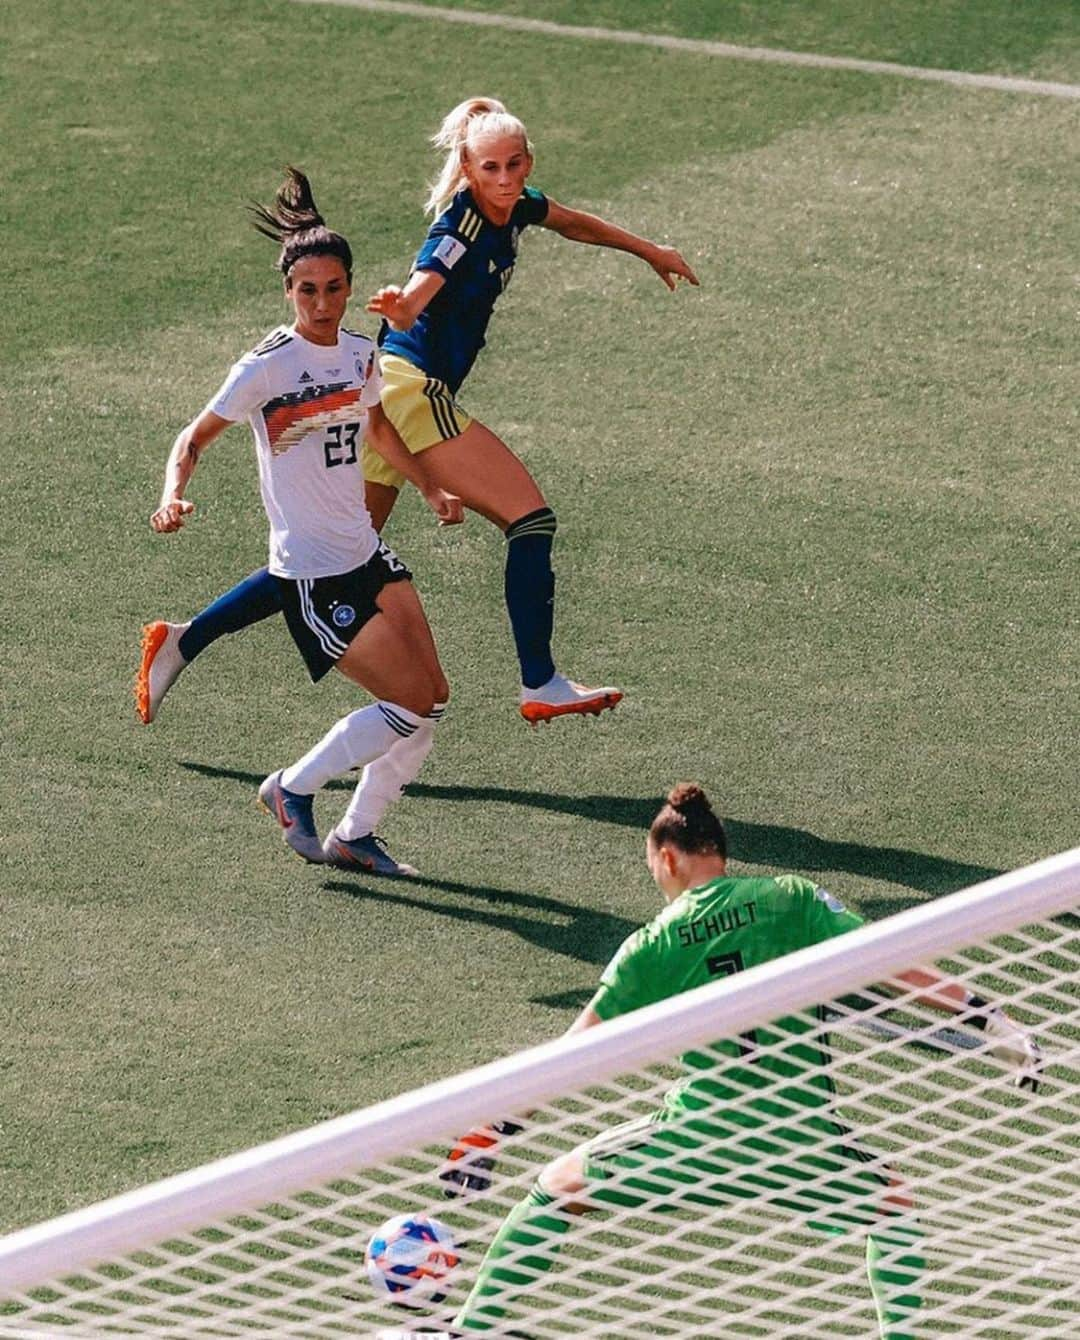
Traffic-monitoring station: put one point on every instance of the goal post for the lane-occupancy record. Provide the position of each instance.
(761, 1231)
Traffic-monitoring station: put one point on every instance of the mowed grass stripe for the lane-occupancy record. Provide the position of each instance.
(703, 47)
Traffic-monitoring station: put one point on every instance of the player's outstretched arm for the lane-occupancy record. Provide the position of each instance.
(595, 231)
(400, 307)
(1008, 1041)
(183, 458)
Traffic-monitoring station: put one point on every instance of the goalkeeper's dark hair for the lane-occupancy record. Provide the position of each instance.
(294, 221)
(689, 822)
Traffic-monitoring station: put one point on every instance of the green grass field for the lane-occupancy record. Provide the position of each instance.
(818, 519)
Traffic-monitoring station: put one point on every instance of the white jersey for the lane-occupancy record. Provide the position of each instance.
(307, 406)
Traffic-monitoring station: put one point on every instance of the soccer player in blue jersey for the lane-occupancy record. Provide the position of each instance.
(434, 327)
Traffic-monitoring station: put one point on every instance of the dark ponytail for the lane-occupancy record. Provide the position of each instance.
(688, 821)
(295, 223)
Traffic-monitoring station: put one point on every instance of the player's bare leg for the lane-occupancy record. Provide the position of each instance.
(379, 500)
(393, 655)
(485, 474)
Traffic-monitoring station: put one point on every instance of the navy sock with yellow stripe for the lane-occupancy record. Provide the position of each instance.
(530, 593)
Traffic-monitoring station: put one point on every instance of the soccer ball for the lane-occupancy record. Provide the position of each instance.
(410, 1260)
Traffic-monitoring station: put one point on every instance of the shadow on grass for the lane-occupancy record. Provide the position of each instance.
(576, 932)
(794, 849)
(751, 843)
(575, 999)
(254, 778)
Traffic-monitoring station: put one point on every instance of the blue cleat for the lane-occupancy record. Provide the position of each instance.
(366, 853)
(294, 813)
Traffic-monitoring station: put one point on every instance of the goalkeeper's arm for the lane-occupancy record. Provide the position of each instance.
(1007, 1040)
(470, 1163)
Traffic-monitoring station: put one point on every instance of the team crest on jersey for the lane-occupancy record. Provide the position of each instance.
(829, 899)
(344, 615)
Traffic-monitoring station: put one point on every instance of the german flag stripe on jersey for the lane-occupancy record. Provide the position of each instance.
(289, 418)
(470, 224)
(442, 407)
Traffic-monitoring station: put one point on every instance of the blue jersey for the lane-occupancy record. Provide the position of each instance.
(476, 258)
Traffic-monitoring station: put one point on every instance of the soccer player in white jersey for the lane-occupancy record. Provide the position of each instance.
(311, 395)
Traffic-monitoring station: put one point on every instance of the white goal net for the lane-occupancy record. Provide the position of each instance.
(852, 1163)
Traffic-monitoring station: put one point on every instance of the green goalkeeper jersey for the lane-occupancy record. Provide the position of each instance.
(714, 931)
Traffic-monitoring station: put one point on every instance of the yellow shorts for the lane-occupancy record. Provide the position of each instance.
(420, 407)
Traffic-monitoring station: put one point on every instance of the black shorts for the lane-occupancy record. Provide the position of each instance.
(324, 614)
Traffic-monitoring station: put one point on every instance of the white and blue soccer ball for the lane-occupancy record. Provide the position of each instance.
(410, 1260)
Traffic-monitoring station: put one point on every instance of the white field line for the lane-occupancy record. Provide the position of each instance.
(699, 47)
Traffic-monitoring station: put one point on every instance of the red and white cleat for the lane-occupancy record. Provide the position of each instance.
(161, 663)
(561, 697)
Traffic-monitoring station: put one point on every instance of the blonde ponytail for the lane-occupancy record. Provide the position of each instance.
(473, 116)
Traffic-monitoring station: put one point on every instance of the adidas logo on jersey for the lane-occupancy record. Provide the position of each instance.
(306, 377)
(492, 267)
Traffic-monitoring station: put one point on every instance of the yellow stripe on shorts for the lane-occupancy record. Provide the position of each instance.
(421, 408)
(442, 407)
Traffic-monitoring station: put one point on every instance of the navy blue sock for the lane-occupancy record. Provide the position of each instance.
(530, 593)
(255, 598)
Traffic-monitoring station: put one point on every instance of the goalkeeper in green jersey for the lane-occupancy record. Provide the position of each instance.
(754, 1116)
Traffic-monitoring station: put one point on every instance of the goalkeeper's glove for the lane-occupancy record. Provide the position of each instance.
(1008, 1041)
(470, 1163)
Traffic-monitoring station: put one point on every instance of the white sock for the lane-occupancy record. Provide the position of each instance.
(350, 743)
(386, 777)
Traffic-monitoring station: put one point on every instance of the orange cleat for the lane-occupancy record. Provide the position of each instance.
(561, 697)
(160, 664)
